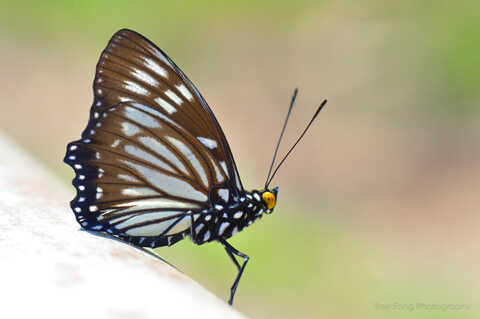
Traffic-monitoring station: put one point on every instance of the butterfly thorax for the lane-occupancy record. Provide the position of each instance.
(224, 221)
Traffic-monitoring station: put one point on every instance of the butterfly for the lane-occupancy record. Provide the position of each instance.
(153, 164)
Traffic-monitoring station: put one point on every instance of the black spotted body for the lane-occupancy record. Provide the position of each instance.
(222, 222)
(215, 223)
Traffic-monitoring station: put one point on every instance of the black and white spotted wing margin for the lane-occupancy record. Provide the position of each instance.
(152, 151)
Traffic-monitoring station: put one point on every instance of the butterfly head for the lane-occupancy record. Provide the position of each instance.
(269, 199)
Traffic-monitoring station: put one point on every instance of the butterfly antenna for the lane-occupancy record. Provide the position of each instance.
(294, 96)
(298, 140)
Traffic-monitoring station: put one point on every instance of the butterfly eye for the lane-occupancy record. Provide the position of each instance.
(269, 199)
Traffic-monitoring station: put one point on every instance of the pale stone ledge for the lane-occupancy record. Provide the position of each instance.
(50, 268)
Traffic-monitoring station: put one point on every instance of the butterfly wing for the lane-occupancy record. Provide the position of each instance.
(133, 68)
(152, 151)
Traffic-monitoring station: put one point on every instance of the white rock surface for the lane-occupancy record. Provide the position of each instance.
(50, 268)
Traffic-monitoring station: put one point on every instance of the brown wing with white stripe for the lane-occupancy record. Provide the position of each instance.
(132, 68)
(152, 151)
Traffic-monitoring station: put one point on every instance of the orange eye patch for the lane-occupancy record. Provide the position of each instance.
(269, 199)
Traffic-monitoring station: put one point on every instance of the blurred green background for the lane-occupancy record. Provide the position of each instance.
(378, 206)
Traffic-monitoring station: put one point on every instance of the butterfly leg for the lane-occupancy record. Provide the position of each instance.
(231, 251)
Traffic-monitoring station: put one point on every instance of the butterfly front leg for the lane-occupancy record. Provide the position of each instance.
(231, 251)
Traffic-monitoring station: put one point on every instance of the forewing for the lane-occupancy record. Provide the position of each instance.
(132, 68)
